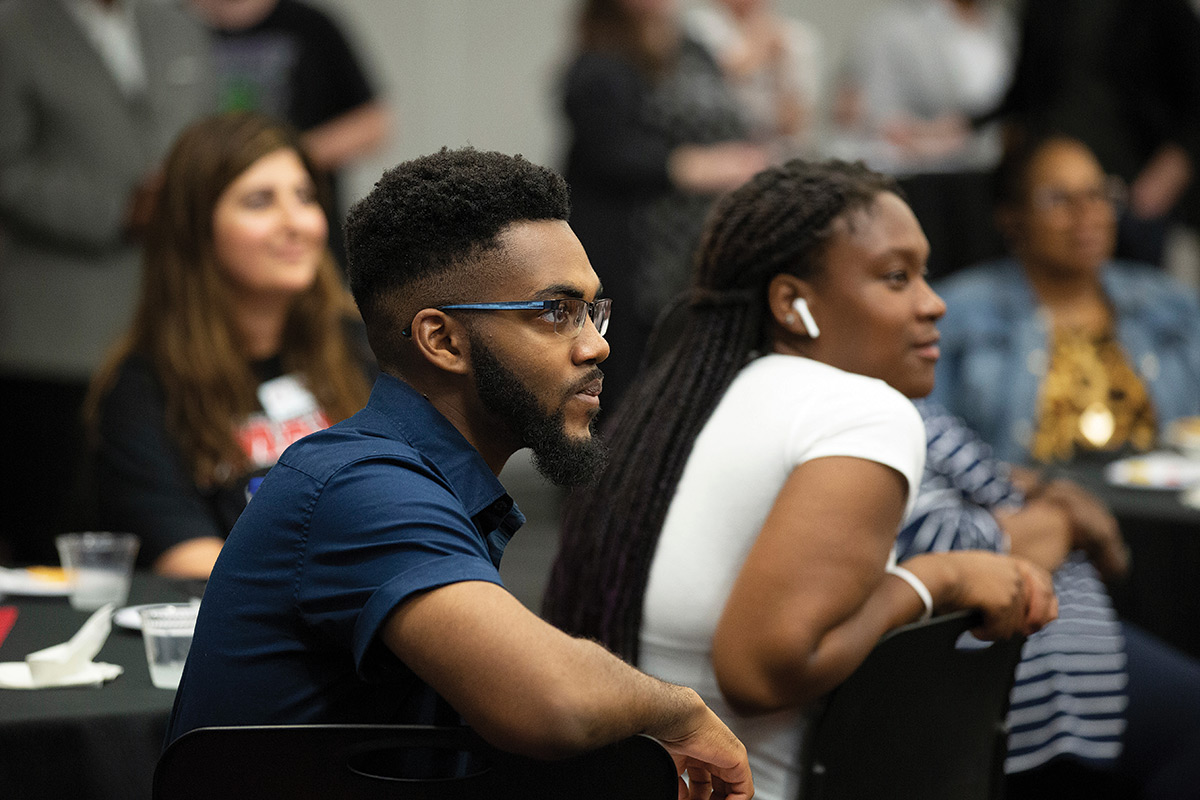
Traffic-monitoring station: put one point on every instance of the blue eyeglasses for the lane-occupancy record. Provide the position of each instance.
(567, 313)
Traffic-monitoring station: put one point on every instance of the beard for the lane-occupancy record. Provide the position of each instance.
(561, 459)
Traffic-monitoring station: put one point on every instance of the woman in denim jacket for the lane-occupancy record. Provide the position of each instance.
(1061, 351)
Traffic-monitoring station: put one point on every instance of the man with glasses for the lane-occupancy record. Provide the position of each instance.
(361, 584)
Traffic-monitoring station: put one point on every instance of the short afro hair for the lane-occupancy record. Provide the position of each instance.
(430, 216)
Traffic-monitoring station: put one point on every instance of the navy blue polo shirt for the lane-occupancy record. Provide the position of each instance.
(350, 523)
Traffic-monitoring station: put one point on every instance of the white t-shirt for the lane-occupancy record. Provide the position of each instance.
(779, 412)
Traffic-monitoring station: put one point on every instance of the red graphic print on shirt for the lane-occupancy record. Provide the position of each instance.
(263, 440)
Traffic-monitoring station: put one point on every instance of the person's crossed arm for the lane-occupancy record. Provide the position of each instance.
(1064, 512)
(529, 688)
(813, 596)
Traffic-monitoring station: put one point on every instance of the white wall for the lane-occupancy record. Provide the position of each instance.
(483, 72)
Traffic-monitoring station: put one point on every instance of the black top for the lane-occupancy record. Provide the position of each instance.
(615, 152)
(638, 230)
(295, 64)
(140, 480)
(143, 484)
(1123, 76)
(298, 66)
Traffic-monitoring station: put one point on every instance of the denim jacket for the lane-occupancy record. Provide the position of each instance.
(995, 341)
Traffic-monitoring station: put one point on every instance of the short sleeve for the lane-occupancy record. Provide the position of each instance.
(383, 530)
(864, 418)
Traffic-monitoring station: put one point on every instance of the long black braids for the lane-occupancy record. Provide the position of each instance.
(779, 222)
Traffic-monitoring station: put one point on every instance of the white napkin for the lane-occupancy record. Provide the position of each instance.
(66, 664)
(1161, 469)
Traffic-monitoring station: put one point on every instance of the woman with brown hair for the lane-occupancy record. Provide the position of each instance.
(243, 341)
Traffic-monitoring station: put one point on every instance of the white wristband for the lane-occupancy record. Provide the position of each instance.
(918, 586)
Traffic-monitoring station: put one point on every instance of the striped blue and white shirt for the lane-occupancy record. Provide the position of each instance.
(1069, 698)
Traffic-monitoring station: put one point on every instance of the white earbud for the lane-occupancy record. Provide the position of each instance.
(806, 317)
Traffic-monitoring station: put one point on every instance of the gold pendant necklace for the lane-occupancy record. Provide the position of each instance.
(1097, 425)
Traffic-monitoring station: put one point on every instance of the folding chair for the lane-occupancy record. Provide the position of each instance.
(920, 718)
(364, 762)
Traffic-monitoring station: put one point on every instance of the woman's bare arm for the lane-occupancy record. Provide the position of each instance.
(813, 596)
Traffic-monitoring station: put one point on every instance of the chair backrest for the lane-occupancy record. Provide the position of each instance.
(919, 718)
(331, 762)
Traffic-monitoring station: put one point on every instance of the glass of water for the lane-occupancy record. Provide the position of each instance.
(167, 633)
(99, 566)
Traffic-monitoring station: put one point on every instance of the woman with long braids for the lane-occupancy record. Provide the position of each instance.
(244, 340)
(739, 542)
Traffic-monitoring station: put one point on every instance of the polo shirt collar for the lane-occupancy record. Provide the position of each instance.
(484, 497)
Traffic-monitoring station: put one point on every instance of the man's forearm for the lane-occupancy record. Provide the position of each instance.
(524, 685)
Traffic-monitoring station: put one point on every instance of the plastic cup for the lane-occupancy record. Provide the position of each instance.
(99, 566)
(167, 633)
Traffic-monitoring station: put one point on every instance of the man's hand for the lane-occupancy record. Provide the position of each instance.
(711, 756)
(527, 687)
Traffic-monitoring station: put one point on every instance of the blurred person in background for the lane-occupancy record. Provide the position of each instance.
(1123, 77)
(1100, 707)
(289, 59)
(244, 340)
(655, 135)
(772, 63)
(92, 93)
(919, 71)
(1061, 351)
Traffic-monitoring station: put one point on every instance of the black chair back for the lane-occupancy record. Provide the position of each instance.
(363, 762)
(919, 718)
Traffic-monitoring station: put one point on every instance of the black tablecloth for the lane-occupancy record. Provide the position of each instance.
(84, 742)
(1161, 594)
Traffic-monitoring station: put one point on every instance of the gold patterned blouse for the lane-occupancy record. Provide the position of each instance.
(1091, 399)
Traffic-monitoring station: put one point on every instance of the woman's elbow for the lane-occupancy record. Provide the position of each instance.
(753, 684)
(750, 698)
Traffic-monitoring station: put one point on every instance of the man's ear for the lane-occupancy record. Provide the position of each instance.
(441, 341)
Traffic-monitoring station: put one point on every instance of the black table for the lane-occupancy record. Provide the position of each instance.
(84, 742)
(1162, 592)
